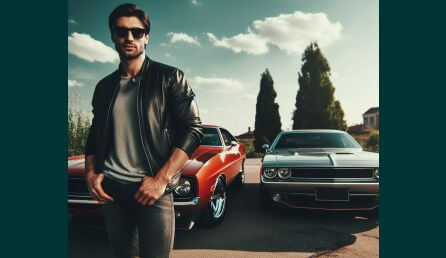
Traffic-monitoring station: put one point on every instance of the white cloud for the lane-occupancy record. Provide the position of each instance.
(74, 83)
(163, 44)
(249, 96)
(87, 48)
(249, 43)
(177, 37)
(216, 85)
(290, 32)
(71, 21)
(196, 2)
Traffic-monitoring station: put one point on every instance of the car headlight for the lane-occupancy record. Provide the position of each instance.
(284, 173)
(183, 187)
(269, 173)
(377, 173)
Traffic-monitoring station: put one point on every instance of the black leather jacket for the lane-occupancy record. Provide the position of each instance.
(167, 114)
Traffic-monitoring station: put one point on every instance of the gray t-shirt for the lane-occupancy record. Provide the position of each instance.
(126, 161)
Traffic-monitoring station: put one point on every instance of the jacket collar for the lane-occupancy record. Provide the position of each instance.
(140, 74)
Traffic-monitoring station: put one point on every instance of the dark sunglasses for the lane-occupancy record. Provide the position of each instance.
(122, 32)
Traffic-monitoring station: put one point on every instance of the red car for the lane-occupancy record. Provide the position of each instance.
(201, 195)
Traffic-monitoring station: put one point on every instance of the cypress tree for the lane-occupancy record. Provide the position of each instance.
(315, 105)
(267, 120)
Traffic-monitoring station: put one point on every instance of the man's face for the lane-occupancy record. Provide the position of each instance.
(126, 42)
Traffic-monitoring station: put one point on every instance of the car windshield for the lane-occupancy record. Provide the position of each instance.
(210, 137)
(316, 140)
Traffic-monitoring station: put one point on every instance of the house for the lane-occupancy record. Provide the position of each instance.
(360, 131)
(246, 136)
(371, 117)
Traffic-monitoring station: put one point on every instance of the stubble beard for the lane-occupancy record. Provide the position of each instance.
(128, 55)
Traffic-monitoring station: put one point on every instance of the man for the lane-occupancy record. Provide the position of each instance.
(145, 127)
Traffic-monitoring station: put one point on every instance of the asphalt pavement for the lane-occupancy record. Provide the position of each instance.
(247, 231)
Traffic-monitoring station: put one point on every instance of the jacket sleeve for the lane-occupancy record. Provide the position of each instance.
(90, 146)
(185, 115)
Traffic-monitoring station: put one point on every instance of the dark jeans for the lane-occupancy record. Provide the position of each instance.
(155, 224)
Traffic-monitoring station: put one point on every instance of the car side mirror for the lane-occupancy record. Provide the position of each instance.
(233, 143)
(265, 147)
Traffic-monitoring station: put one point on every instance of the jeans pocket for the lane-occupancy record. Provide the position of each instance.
(108, 186)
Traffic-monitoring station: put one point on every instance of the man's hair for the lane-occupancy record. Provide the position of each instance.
(128, 10)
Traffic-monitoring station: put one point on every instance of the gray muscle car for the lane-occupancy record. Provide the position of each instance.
(319, 169)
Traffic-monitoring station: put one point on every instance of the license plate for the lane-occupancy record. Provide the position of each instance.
(332, 194)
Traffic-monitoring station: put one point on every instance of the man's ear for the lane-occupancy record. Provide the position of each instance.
(112, 39)
(147, 39)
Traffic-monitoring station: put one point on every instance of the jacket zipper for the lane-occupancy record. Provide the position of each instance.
(139, 110)
(108, 113)
(166, 133)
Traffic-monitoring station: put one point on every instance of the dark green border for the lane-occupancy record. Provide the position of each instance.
(34, 104)
(413, 177)
(34, 129)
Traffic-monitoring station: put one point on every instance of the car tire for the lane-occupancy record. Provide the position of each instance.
(266, 202)
(215, 211)
(239, 181)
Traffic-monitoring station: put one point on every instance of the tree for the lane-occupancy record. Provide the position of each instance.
(315, 105)
(267, 120)
(373, 142)
(78, 127)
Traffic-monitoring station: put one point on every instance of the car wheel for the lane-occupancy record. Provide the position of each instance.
(239, 181)
(266, 202)
(214, 212)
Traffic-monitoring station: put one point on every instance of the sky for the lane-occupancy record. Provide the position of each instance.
(223, 47)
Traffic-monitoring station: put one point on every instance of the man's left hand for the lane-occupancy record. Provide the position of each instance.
(151, 189)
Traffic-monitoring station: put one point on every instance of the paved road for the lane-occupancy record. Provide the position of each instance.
(248, 232)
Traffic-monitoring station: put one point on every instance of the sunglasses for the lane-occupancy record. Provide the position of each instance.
(122, 32)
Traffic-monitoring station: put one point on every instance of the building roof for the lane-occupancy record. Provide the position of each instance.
(247, 135)
(359, 129)
(372, 110)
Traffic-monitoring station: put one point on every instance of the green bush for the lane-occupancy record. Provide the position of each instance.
(373, 142)
(78, 128)
(250, 151)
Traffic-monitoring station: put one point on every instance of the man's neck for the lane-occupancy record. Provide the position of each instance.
(131, 67)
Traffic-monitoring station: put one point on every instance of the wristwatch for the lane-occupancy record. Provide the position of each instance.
(173, 182)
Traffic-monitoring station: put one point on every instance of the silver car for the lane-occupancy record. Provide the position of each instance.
(319, 169)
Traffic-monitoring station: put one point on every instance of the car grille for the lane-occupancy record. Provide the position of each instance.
(332, 172)
(77, 185)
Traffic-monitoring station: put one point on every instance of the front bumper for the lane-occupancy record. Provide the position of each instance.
(362, 194)
(87, 200)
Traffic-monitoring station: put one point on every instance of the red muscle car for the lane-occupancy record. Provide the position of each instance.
(201, 195)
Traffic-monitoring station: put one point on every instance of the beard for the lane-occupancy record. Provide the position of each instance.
(129, 54)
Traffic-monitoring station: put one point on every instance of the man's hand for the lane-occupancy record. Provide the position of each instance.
(152, 188)
(94, 182)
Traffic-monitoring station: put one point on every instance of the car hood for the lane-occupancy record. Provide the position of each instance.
(199, 158)
(321, 157)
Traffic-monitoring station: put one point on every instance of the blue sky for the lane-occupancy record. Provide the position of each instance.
(224, 46)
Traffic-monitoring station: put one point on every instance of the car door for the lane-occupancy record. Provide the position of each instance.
(232, 153)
